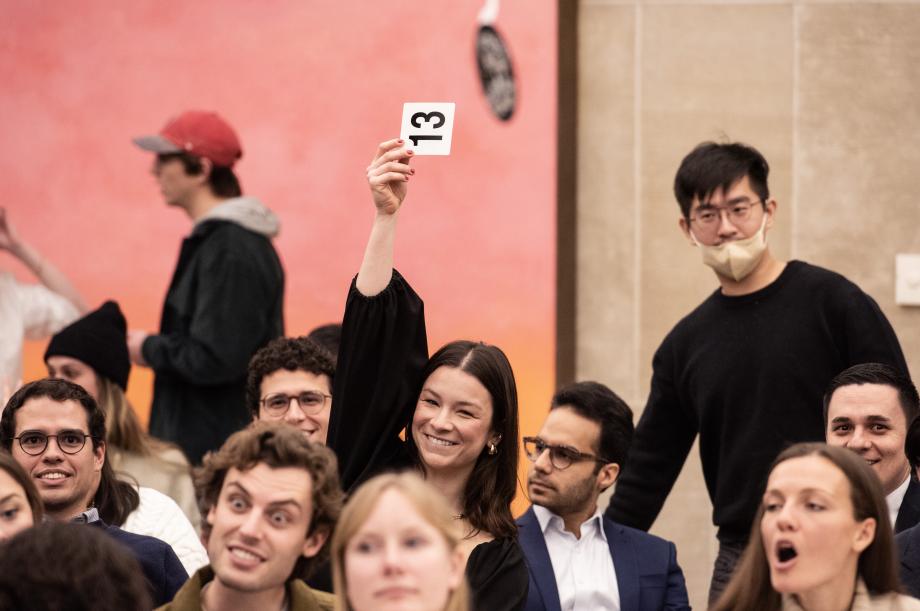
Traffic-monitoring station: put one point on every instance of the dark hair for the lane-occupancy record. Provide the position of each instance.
(329, 337)
(750, 587)
(277, 445)
(222, 181)
(912, 444)
(596, 402)
(877, 373)
(14, 470)
(70, 566)
(291, 353)
(490, 488)
(114, 499)
(711, 166)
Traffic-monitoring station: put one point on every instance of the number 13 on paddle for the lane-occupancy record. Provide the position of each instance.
(427, 127)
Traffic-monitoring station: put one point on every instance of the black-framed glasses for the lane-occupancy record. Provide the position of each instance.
(561, 457)
(310, 401)
(34, 443)
(708, 217)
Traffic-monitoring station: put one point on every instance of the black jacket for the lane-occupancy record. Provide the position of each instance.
(908, 543)
(224, 303)
(909, 512)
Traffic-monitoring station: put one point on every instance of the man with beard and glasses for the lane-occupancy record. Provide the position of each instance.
(577, 558)
(747, 369)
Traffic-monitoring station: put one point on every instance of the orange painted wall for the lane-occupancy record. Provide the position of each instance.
(311, 87)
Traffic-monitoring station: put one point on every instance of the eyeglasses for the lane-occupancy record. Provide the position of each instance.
(34, 443)
(708, 217)
(561, 457)
(310, 401)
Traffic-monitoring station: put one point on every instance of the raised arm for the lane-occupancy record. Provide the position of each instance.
(384, 346)
(387, 176)
(47, 273)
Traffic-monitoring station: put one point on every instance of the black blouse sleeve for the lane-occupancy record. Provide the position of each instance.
(497, 575)
(383, 352)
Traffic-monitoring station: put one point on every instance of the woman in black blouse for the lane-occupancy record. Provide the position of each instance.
(458, 409)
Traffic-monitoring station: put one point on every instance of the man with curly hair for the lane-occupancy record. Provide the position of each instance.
(290, 380)
(271, 499)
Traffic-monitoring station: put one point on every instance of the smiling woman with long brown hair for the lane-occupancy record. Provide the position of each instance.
(821, 541)
(458, 409)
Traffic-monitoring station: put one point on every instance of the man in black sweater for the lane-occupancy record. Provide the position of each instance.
(747, 369)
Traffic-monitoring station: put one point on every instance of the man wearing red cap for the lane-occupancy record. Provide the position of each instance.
(225, 299)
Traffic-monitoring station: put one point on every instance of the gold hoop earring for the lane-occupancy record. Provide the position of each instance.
(493, 450)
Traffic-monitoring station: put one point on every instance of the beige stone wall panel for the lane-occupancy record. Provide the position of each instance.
(606, 188)
(858, 159)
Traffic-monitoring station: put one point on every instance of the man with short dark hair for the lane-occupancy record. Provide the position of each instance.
(271, 499)
(866, 409)
(577, 558)
(56, 432)
(290, 380)
(226, 296)
(746, 370)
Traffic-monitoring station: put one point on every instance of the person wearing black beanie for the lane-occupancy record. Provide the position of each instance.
(97, 339)
(93, 353)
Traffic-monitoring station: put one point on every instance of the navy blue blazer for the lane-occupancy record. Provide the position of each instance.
(648, 576)
(909, 513)
(162, 569)
(909, 553)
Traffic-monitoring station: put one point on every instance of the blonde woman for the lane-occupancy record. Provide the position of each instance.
(396, 546)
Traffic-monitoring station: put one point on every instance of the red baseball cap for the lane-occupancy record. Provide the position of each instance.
(199, 132)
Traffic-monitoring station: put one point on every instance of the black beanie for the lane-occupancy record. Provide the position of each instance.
(99, 339)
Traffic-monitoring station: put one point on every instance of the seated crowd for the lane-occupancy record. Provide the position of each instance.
(375, 476)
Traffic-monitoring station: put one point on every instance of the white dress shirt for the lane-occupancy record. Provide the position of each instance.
(27, 311)
(585, 576)
(895, 499)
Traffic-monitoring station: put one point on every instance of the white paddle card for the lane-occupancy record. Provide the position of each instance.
(428, 126)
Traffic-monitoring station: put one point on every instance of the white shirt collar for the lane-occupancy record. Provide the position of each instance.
(895, 499)
(547, 519)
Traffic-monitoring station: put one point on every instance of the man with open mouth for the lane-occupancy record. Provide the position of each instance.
(270, 499)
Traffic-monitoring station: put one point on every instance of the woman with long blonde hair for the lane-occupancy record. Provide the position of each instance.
(396, 546)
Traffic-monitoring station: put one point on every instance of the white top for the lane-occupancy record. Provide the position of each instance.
(585, 577)
(27, 311)
(895, 499)
(159, 516)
